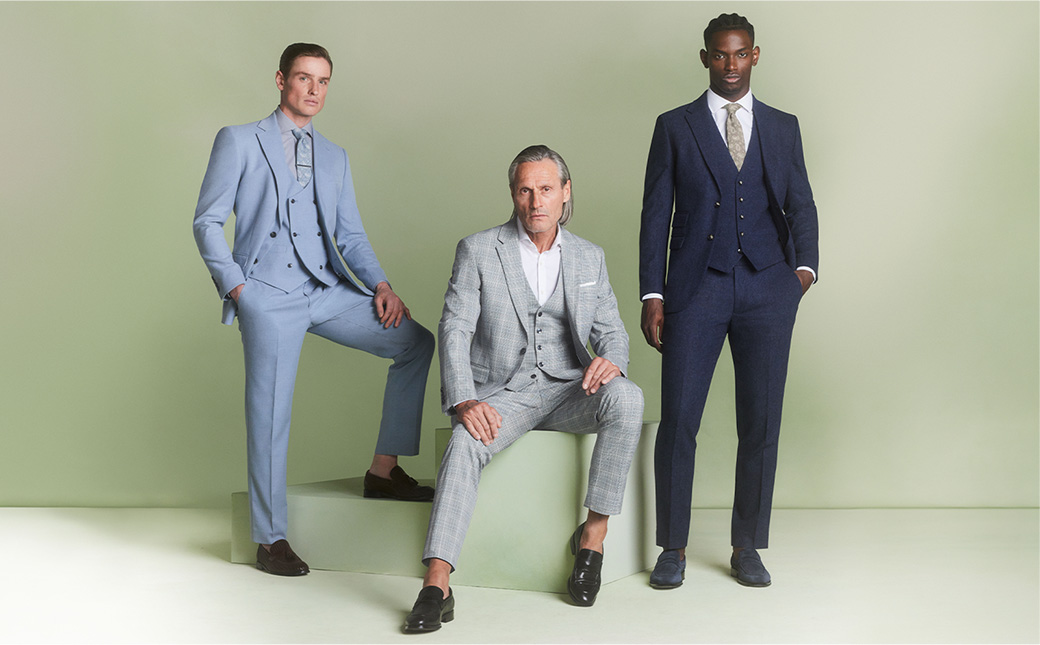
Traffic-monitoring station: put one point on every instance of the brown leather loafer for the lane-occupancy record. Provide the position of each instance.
(281, 561)
(399, 486)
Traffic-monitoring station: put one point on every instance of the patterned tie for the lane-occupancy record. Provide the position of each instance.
(303, 156)
(735, 135)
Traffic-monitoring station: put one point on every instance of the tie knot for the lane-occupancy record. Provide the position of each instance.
(298, 133)
(730, 107)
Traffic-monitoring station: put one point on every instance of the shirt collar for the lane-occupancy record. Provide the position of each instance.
(286, 126)
(525, 239)
(716, 102)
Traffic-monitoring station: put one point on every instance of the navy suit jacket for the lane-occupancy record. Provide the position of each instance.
(675, 245)
(247, 174)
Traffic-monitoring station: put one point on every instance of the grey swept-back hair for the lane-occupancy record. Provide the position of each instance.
(539, 153)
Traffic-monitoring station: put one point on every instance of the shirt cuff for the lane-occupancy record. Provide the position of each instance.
(659, 296)
(810, 270)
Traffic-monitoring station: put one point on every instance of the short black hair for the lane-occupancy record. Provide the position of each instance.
(295, 50)
(727, 22)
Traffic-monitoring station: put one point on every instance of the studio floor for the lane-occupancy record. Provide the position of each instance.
(839, 576)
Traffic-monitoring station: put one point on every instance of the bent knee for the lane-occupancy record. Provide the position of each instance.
(623, 397)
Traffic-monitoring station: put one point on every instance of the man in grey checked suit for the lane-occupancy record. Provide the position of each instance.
(524, 301)
(295, 216)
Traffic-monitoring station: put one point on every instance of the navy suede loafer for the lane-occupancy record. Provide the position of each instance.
(746, 566)
(669, 571)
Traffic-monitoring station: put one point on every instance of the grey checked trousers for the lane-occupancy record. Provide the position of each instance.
(614, 413)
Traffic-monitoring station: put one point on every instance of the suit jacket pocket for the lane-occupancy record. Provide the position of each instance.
(480, 373)
(678, 230)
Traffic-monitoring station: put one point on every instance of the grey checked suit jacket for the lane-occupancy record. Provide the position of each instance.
(484, 329)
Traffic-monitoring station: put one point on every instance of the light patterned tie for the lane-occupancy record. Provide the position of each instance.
(303, 156)
(735, 135)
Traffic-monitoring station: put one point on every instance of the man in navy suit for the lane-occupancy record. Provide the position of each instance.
(727, 248)
(297, 230)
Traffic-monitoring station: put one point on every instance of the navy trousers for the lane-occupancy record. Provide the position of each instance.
(756, 310)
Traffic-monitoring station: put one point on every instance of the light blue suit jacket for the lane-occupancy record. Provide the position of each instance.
(485, 327)
(247, 174)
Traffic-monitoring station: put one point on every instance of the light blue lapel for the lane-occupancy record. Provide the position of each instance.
(324, 179)
(513, 268)
(270, 138)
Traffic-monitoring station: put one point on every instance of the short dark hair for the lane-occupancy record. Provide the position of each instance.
(727, 22)
(295, 50)
(539, 153)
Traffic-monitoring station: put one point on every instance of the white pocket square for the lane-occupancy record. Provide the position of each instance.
(587, 284)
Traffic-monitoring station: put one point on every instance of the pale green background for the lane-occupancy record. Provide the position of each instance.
(914, 377)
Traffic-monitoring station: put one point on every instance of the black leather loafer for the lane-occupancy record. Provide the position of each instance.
(399, 486)
(431, 609)
(583, 585)
(281, 560)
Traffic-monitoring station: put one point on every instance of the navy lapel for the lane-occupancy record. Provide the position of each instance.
(513, 268)
(709, 141)
(768, 140)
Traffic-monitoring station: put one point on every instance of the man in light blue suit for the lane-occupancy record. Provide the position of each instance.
(295, 216)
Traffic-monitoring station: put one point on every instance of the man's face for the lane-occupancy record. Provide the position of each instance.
(303, 91)
(538, 196)
(729, 59)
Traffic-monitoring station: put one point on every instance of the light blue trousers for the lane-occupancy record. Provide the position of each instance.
(273, 325)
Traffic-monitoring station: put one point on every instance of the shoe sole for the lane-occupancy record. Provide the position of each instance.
(733, 572)
(657, 586)
(446, 618)
(276, 573)
(372, 494)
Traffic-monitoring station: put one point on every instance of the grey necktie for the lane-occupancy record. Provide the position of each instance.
(303, 156)
(735, 135)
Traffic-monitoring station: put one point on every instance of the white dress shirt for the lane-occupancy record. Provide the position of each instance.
(542, 269)
(286, 125)
(717, 106)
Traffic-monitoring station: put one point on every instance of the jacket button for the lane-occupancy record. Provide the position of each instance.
(717, 204)
(740, 182)
(741, 217)
(273, 234)
(292, 201)
(295, 235)
(534, 376)
(319, 233)
(711, 237)
(523, 350)
(290, 265)
(742, 234)
(256, 260)
(741, 199)
(539, 314)
(539, 347)
(321, 267)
